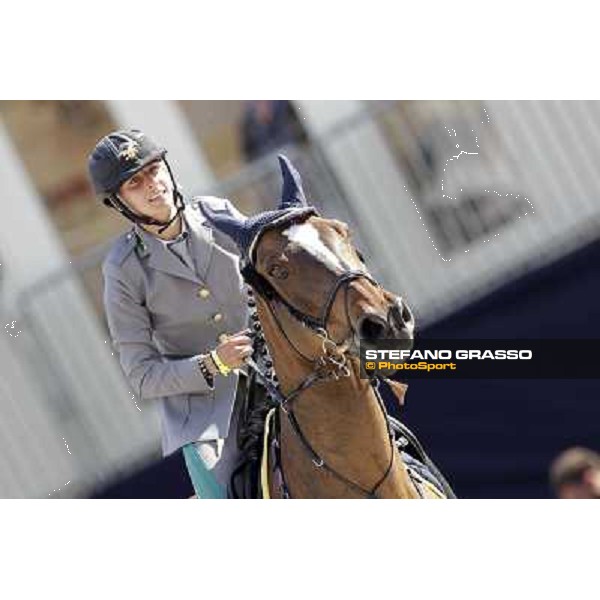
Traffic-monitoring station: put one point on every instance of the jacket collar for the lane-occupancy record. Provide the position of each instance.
(160, 258)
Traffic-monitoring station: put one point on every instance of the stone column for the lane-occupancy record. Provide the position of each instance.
(64, 381)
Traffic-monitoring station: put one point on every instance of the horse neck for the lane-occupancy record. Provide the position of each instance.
(341, 419)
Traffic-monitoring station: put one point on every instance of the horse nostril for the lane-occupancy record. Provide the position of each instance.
(372, 328)
(400, 315)
(407, 316)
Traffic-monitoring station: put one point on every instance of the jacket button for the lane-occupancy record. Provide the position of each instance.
(218, 317)
(204, 293)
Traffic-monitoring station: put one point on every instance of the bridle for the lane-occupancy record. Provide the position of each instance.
(330, 365)
(333, 353)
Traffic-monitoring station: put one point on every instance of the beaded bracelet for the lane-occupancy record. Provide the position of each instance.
(205, 372)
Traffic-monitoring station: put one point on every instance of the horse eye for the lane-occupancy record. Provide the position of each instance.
(278, 272)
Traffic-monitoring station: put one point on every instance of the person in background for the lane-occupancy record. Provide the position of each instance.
(575, 474)
(175, 304)
(267, 125)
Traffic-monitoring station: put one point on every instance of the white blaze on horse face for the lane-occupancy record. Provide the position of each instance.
(307, 237)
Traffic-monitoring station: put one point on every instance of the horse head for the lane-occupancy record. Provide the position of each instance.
(310, 264)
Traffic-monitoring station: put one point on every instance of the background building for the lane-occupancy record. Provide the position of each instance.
(483, 214)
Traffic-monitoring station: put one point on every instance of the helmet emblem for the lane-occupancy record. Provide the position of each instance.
(129, 151)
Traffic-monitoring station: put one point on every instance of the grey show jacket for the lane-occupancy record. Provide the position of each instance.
(162, 315)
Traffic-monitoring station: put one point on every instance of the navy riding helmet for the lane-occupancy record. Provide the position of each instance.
(119, 156)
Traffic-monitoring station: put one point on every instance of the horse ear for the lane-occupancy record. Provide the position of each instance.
(292, 195)
(224, 217)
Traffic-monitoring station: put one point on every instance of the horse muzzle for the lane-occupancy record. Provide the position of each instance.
(398, 324)
(401, 320)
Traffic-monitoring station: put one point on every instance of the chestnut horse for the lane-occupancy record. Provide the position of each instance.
(313, 301)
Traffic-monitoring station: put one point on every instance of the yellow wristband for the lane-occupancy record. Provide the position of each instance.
(223, 368)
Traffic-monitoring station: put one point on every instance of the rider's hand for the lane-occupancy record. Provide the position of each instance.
(235, 349)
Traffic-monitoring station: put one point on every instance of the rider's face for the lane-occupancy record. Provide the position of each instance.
(150, 192)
